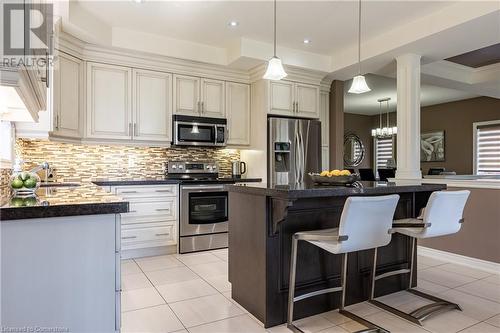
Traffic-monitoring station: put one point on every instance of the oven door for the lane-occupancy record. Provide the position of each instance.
(204, 210)
(195, 134)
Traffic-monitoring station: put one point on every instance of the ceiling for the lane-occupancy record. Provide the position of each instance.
(330, 25)
(483, 57)
(386, 87)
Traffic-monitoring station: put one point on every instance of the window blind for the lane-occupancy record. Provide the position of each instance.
(383, 149)
(488, 149)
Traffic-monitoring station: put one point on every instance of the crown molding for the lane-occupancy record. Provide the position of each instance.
(295, 74)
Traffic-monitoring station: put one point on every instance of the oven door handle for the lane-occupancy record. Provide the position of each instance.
(202, 187)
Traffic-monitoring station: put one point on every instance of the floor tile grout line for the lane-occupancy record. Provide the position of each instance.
(147, 277)
(219, 292)
(218, 320)
(469, 293)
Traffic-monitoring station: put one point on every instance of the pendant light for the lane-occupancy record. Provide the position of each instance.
(275, 70)
(387, 130)
(359, 85)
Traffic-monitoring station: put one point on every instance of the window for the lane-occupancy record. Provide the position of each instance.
(383, 151)
(487, 148)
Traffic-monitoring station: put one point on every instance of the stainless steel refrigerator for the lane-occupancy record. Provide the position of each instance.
(294, 149)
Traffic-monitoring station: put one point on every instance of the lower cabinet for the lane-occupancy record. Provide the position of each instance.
(153, 217)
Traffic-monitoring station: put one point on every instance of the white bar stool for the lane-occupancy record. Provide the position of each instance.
(442, 216)
(365, 224)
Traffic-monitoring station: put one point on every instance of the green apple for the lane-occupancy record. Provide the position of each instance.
(30, 201)
(30, 183)
(17, 202)
(24, 176)
(16, 183)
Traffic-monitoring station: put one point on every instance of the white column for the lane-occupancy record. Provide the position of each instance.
(408, 117)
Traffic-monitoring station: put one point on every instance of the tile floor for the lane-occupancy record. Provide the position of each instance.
(191, 293)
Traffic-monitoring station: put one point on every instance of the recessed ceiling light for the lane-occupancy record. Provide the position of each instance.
(138, 1)
(307, 41)
(233, 24)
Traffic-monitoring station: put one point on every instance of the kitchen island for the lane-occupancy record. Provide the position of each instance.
(60, 259)
(264, 218)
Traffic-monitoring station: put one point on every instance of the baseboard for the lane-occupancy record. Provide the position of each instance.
(148, 252)
(483, 265)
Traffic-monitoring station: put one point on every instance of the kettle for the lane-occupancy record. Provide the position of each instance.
(238, 168)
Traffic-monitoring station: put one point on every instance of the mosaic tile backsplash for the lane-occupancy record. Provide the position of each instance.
(82, 163)
(4, 182)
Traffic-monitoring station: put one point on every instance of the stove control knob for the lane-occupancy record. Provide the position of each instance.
(209, 167)
(214, 167)
(181, 167)
(174, 167)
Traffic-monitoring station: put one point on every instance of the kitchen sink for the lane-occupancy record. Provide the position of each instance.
(59, 185)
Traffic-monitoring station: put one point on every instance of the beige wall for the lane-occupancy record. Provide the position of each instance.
(455, 118)
(479, 235)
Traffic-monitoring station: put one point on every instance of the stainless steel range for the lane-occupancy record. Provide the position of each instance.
(203, 206)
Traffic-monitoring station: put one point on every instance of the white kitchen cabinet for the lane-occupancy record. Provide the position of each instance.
(293, 99)
(238, 113)
(109, 105)
(67, 96)
(187, 95)
(306, 100)
(281, 98)
(152, 111)
(212, 98)
(194, 96)
(153, 217)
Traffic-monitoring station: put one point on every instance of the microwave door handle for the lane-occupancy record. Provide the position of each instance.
(215, 135)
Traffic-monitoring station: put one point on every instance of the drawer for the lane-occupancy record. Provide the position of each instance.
(164, 207)
(164, 234)
(147, 191)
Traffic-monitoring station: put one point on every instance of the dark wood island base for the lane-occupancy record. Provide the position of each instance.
(263, 220)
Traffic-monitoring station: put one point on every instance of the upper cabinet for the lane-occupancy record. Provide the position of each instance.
(293, 99)
(194, 96)
(109, 103)
(187, 95)
(68, 82)
(238, 113)
(152, 110)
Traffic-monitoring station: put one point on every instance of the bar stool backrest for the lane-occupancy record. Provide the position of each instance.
(366, 221)
(444, 211)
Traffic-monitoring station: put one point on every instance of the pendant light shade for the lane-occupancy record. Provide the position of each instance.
(359, 85)
(275, 70)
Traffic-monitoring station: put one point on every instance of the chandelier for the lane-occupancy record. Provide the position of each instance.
(387, 130)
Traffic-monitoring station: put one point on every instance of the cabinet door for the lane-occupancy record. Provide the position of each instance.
(187, 95)
(152, 106)
(281, 98)
(238, 113)
(212, 98)
(307, 99)
(68, 94)
(109, 111)
(324, 116)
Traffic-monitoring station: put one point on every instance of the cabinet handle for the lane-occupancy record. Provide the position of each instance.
(129, 129)
(296, 106)
(132, 211)
(162, 191)
(129, 237)
(163, 234)
(199, 108)
(57, 121)
(129, 192)
(135, 129)
(162, 209)
(202, 107)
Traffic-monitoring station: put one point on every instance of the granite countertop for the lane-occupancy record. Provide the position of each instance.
(309, 190)
(85, 199)
(163, 181)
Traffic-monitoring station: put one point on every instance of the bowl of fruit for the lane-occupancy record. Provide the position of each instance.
(24, 183)
(334, 177)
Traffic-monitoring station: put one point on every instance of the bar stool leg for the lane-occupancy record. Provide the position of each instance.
(291, 285)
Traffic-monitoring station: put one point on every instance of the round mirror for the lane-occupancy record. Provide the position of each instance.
(354, 151)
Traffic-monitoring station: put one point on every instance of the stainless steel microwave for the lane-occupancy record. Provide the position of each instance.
(199, 131)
